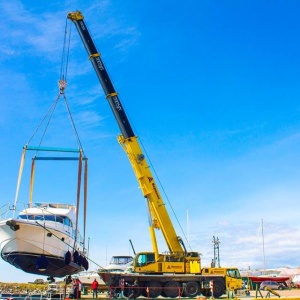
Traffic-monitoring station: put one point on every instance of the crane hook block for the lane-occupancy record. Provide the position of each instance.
(62, 85)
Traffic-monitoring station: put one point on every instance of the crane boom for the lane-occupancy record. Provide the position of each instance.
(129, 142)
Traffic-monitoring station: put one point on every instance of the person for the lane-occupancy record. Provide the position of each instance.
(77, 285)
(121, 284)
(134, 291)
(95, 285)
(212, 264)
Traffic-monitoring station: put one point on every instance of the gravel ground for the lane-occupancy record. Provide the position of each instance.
(294, 293)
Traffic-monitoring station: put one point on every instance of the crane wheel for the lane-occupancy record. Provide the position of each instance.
(219, 289)
(192, 289)
(152, 289)
(172, 289)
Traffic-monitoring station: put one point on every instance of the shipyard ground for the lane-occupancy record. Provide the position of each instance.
(285, 294)
(289, 294)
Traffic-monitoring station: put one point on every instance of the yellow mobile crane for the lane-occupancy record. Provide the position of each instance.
(162, 274)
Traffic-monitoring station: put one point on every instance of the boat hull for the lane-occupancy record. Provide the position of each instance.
(22, 242)
(259, 279)
(27, 263)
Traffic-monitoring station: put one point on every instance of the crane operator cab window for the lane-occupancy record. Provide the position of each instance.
(143, 259)
(233, 273)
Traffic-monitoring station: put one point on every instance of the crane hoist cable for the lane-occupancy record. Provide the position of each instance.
(62, 83)
(65, 52)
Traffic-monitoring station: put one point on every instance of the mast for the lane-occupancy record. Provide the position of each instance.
(263, 243)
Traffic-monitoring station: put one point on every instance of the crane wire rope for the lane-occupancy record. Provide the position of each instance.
(63, 78)
(62, 83)
(49, 114)
(166, 196)
(63, 75)
(64, 56)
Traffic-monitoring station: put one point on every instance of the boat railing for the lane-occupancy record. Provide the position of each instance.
(8, 210)
(3, 211)
(54, 205)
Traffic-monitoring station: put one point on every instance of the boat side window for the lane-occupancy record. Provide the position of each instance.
(54, 218)
(26, 217)
(63, 220)
(67, 222)
(22, 216)
(59, 219)
(49, 218)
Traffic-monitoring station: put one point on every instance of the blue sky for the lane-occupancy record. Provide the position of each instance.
(211, 89)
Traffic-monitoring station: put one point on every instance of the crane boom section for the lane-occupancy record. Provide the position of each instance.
(110, 93)
(158, 211)
(130, 144)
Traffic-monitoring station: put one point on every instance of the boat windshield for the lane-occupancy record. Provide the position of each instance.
(54, 218)
(120, 260)
(233, 273)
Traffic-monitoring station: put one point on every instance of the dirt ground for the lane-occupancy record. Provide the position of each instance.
(293, 293)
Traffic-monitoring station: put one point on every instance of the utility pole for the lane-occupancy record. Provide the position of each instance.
(216, 243)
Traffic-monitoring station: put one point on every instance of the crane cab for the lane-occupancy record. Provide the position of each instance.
(167, 263)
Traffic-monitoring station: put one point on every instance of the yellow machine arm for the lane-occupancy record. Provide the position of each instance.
(129, 142)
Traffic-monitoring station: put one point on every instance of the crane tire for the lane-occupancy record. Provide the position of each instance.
(155, 289)
(172, 289)
(192, 289)
(218, 289)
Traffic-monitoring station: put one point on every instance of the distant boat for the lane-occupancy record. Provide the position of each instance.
(88, 277)
(42, 240)
(279, 279)
(296, 281)
(118, 263)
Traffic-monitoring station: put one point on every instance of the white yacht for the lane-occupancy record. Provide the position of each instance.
(42, 239)
(88, 277)
(119, 263)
